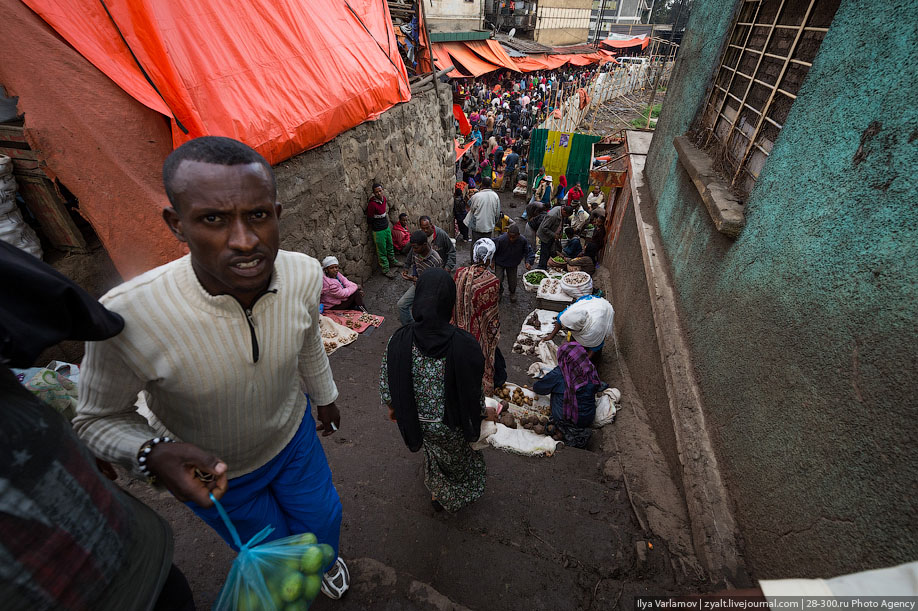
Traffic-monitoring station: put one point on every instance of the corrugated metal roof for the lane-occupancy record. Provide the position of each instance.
(523, 46)
(454, 36)
(512, 52)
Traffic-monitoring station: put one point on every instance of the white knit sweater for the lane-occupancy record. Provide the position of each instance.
(194, 355)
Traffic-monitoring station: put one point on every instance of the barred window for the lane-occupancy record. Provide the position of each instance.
(767, 56)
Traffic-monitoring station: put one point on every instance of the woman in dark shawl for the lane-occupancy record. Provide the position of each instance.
(431, 381)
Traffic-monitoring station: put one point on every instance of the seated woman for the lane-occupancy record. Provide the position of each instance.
(573, 386)
(339, 293)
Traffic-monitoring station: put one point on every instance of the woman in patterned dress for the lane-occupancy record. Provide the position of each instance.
(477, 311)
(431, 381)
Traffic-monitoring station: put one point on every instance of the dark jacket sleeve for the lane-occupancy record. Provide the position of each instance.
(530, 254)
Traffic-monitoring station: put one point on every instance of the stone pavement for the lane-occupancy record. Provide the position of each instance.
(549, 533)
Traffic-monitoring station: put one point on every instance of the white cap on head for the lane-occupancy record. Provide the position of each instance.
(329, 260)
(547, 179)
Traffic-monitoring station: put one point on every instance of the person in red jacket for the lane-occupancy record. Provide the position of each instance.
(401, 235)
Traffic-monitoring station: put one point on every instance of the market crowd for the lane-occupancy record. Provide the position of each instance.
(223, 349)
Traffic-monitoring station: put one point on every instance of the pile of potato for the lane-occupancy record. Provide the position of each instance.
(517, 397)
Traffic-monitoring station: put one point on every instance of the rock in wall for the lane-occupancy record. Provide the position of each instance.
(324, 191)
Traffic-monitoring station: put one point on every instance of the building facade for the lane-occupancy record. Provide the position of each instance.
(454, 15)
(607, 13)
(780, 185)
(562, 22)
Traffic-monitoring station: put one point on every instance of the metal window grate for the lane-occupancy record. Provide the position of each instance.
(767, 56)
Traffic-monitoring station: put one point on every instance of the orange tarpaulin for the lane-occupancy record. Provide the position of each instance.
(444, 61)
(473, 64)
(540, 62)
(278, 76)
(491, 51)
(461, 149)
(465, 128)
(643, 41)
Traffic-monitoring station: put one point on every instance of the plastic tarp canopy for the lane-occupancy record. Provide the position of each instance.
(540, 62)
(576, 60)
(444, 61)
(277, 75)
(462, 148)
(615, 43)
(460, 53)
(490, 50)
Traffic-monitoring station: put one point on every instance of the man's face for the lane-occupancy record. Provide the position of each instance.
(427, 227)
(513, 237)
(331, 271)
(378, 192)
(403, 221)
(228, 217)
(596, 190)
(421, 250)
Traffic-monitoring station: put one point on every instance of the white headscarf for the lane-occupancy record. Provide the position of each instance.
(329, 260)
(483, 250)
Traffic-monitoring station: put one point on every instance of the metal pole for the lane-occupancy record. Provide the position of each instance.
(653, 94)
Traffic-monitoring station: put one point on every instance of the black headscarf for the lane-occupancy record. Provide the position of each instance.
(40, 307)
(434, 298)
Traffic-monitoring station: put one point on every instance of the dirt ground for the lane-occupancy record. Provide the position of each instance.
(549, 533)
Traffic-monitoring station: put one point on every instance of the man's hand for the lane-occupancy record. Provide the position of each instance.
(405, 274)
(392, 414)
(174, 464)
(528, 266)
(329, 418)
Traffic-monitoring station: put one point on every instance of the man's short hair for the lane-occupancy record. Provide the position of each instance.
(425, 218)
(216, 150)
(568, 210)
(486, 182)
(515, 230)
(418, 237)
(403, 214)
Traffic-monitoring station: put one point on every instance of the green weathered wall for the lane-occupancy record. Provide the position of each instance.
(803, 330)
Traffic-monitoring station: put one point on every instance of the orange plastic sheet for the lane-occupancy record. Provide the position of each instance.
(540, 62)
(490, 50)
(461, 149)
(643, 41)
(277, 75)
(444, 61)
(473, 64)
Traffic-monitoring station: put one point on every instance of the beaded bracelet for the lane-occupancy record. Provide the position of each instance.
(145, 450)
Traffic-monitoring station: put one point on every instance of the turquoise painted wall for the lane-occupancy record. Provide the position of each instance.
(803, 330)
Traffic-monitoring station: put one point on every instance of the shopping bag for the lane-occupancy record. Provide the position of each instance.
(281, 575)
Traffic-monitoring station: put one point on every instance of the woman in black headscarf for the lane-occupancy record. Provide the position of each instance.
(431, 381)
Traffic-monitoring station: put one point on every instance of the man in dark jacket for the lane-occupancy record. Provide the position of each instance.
(512, 249)
(549, 233)
(439, 241)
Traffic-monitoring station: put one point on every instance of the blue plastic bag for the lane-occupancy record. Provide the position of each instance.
(281, 575)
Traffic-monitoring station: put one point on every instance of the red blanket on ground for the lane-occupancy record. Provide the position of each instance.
(352, 319)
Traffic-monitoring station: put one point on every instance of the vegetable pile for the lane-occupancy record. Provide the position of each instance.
(535, 277)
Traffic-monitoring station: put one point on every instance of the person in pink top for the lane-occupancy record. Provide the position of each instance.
(339, 293)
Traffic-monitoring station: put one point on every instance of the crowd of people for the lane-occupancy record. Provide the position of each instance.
(225, 348)
(500, 110)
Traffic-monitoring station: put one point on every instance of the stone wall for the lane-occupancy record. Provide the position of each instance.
(802, 329)
(324, 192)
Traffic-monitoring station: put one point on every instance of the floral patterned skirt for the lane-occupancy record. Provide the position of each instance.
(454, 473)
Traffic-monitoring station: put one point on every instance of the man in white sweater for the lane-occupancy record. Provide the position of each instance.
(225, 342)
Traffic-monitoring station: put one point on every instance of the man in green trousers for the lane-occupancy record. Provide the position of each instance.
(378, 217)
